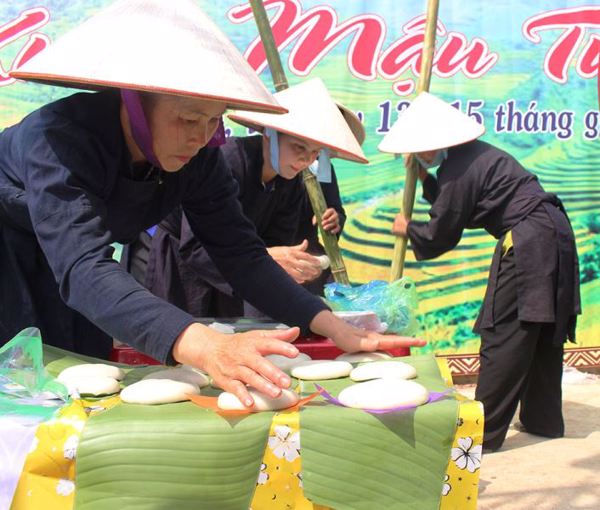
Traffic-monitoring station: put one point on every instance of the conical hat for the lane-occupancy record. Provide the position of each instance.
(164, 46)
(313, 115)
(429, 124)
(354, 123)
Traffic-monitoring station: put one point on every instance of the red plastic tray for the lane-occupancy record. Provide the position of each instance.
(129, 356)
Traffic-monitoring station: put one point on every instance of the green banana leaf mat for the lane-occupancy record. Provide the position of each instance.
(164, 457)
(356, 460)
(181, 456)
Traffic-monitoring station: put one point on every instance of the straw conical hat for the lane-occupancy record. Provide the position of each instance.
(429, 124)
(166, 46)
(313, 116)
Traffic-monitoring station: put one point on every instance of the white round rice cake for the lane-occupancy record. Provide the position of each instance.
(89, 385)
(181, 374)
(93, 370)
(382, 394)
(286, 364)
(229, 402)
(321, 369)
(363, 357)
(158, 391)
(383, 370)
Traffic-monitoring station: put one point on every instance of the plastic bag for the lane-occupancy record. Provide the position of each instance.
(394, 303)
(26, 389)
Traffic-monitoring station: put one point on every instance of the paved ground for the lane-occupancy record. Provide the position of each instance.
(533, 473)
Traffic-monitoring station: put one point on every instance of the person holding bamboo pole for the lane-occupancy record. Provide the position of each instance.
(93, 169)
(532, 298)
(333, 220)
(171, 262)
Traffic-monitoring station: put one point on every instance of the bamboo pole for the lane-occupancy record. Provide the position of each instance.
(266, 36)
(313, 188)
(412, 168)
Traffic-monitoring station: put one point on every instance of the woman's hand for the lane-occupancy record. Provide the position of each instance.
(400, 226)
(301, 266)
(351, 339)
(234, 361)
(330, 221)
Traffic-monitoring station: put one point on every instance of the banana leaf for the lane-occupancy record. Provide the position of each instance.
(145, 457)
(169, 456)
(354, 460)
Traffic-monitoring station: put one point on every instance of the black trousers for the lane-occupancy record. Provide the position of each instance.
(519, 363)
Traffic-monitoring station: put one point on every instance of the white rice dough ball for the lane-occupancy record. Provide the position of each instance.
(321, 369)
(158, 391)
(187, 375)
(382, 394)
(93, 370)
(363, 357)
(79, 385)
(383, 370)
(229, 402)
(286, 364)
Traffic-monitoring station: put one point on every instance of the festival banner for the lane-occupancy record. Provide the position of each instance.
(527, 70)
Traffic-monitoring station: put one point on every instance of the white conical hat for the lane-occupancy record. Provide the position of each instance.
(166, 46)
(429, 124)
(312, 115)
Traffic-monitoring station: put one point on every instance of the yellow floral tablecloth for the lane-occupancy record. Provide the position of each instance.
(48, 478)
